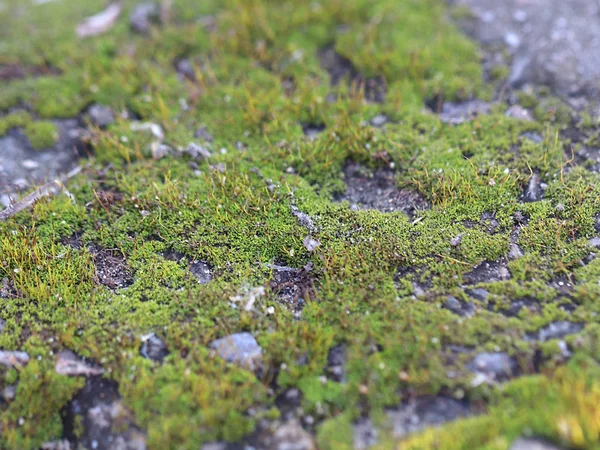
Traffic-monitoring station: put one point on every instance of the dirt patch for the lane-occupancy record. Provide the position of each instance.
(487, 272)
(378, 190)
(341, 68)
(112, 269)
(312, 130)
(17, 71)
(293, 287)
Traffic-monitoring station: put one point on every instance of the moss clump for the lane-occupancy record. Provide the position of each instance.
(13, 120)
(41, 134)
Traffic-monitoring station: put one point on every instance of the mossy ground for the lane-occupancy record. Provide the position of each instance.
(257, 81)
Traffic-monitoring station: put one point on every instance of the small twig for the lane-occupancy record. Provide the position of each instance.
(48, 189)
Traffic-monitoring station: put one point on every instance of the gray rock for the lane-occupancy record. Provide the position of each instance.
(518, 112)
(67, 363)
(101, 420)
(214, 446)
(9, 393)
(43, 165)
(311, 244)
(304, 219)
(291, 436)
(479, 294)
(142, 16)
(459, 308)
(185, 68)
(379, 120)
(101, 115)
(536, 138)
(13, 358)
(456, 240)
(425, 412)
(457, 113)
(514, 252)
(197, 151)
(557, 41)
(494, 365)
(557, 330)
(365, 434)
(153, 348)
(63, 444)
(515, 307)
(202, 133)
(532, 444)
(595, 242)
(201, 271)
(336, 362)
(98, 23)
(239, 348)
(534, 190)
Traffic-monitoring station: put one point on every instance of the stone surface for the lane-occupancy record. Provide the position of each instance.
(457, 113)
(459, 308)
(535, 189)
(365, 434)
(142, 16)
(96, 419)
(532, 444)
(518, 112)
(496, 366)
(67, 363)
(479, 294)
(197, 151)
(425, 412)
(201, 271)
(552, 42)
(557, 330)
(101, 115)
(41, 165)
(303, 219)
(13, 358)
(379, 120)
(291, 436)
(153, 348)
(336, 362)
(239, 348)
(378, 190)
(487, 272)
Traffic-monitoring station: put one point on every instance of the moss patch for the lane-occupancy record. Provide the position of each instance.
(251, 75)
(41, 134)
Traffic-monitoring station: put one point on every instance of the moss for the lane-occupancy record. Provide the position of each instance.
(258, 80)
(41, 134)
(13, 120)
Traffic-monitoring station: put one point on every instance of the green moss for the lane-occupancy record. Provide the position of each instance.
(258, 80)
(13, 120)
(41, 134)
